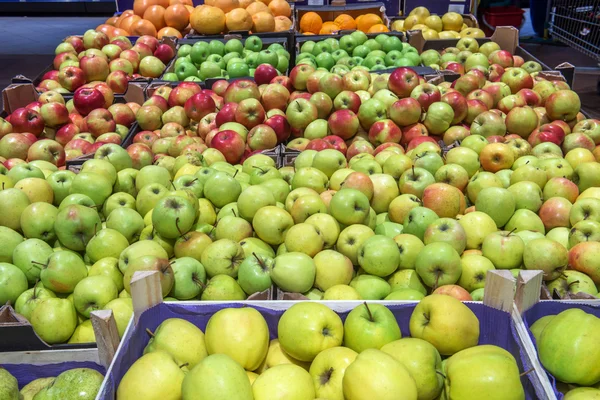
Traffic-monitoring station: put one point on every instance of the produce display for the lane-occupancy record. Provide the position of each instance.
(315, 355)
(311, 23)
(96, 58)
(48, 132)
(451, 25)
(77, 383)
(323, 169)
(356, 49)
(226, 59)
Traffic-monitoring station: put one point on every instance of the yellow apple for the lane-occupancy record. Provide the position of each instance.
(216, 377)
(84, 333)
(327, 371)
(181, 339)
(341, 292)
(276, 356)
(122, 311)
(283, 382)
(36, 189)
(240, 333)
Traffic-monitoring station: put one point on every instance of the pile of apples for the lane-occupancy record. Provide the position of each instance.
(97, 58)
(488, 58)
(313, 354)
(356, 49)
(51, 131)
(76, 383)
(558, 339)
(449, 26)
(230, 59)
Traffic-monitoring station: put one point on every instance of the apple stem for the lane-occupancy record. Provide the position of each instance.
(259, 168)
(35, 287)
(233, 212)
(39, 263)
(236, 172)
(260, 261)
(527, 372)
(172, 184)
(177, 226)
(149, 332)
(437, 278)
(571, 284)
(184, 365)
(369, 312)
(413, 171)
(441, 374)
(511, 232)
(198, 282)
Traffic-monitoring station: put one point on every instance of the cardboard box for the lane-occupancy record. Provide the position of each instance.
(507, 38)
(469, 19)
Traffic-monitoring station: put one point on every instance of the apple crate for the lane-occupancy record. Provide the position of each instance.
(496, 326)
(508, 39)
(283, 38)
(469, 19)
(331, 12)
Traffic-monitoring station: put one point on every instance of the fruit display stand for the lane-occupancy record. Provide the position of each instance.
(149, 311)
(285, 40)
(468, 19)
(330, 12)
(528, 309)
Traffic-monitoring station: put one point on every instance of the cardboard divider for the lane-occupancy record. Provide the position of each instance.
(495, 327)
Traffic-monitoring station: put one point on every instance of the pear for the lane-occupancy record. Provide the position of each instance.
(154, 376)
(217, 377)
(9, 387)
(33, 387)
(181, 339)
(74, 384)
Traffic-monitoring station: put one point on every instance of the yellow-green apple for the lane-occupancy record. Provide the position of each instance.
(370, 327)
(529, 173)
(572, 282)
(276, 356)
(332, 268)
(294, 272)
(585, 175)
(328, 161)
(349, 206)
(474, 271)
(527, 195)
(271, 223)
(181, 339)
(582, 393)
(477, 225)
(63, 271)
(11, 239)
(385, 190)
(417, 220)
(157, 374)
(379, 256)
(327, 226)
(569, 362)
(321, 100)
(29, 299)
(341, 292)
(579, 155)
(351, 239)
(446, 230)
(522, 121)
(546, 255)
(109, 267)
(93, 293)
(591, 127)
(304, 238)
(488, 124)
(504, 249)
(414, 181)
(37, 221)
(240, 333)
(306, 329)
(370, 287)
(222, 257)
(441, 312)
(300, 113)
(555, 213)
(562, 105)
(498, 203)
(409, 247)
(327, 371)
(13, 283)
(393, 379)
(286, 380)
(438, 117)
(423, 362)
(495, 370)
(306, 206)
(54, 320)
(356, 80)
(75, 225)
(371, 111)
(310, 177)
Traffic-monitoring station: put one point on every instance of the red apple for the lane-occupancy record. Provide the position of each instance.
(337, 143)
(240, 90)
(318, 145)
(285, 81)
(281, 127)
(230, 144)
(100, 121)
(459, 104)
(426, 94)
(250, 113)
(71, 78)
(146, 137)
(275, 96)
(403, 81)
(226, 114)
(384, 131)
(164, 53)
(264, 73)
(343, 123)
(182, 92)
(118, 81)
(411, 132)
(220, 86)
(87, 99)
(26, 120)
(199, 105)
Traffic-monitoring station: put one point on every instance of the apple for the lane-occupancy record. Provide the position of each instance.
(563, 105)
(300, 113)
(403, 81)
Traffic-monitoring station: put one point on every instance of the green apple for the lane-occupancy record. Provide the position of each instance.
(253, 199)
(572, 282)
(423, 362)
(93, 293)
(240, 333)
(327, 371)
(54, 320)
(293, 272)
(406, 279)
(122, 309)
(223, 287)
(474, 271)
(370, 327)
(9, 239)
(546, 255)
(126, 221)
(306, 329)
(405, 294)
(417, 220)
(154, 375)
(139, 249)
(393, 379)
(37, 221)
(528, 195)
(254, 274)
(525, 220)
(446, 230)
(498, 203)
(109, 267)
(271, 223)
(63, 271)
(492, 373)
(438, 264)
(379, 256)
(13, 282)
(223, 256)
(477, 225)
(9, 387)
(432, 317)
(189, 278)
(29, 256)
(181, 339)
(349, 206)
(253, 245)
(76, 225)
(504, 249)
(221, 189)
(106, 243)
(29, 299)
(371, 287)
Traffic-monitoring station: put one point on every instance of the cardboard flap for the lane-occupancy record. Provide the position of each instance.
(9, 317)
(507, 37)
(135, 92)
(18, 95)
(551, 76)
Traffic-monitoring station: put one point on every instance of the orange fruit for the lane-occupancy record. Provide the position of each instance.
(377, 28)
(143, 27)
(208, 20)
(119, 32)
(190, 9)
(106, 29)
(280, 8)
(112, 21)
(245, 3)
(124, 14)
(308, 33)
(140, 6)
(128, 22)
(344, 21)
(311, 22)
(328, 28)
(365, 22)
(257, 7)
(184, 2)
(282, 24)
(227, 5)
(168, 31)
(238, 20)
(177, 16)
(263, 22)
(156, 15)
(265, 2)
